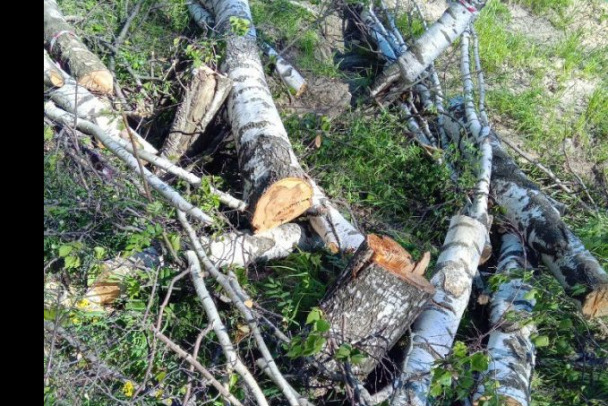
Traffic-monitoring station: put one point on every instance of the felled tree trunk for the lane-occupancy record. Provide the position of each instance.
(204, 97)
(77, 100)
(374, 302)
(434, 331)
(428, 46)
(510, 349)
(561, 251)
(540, 222)
(52, 75)
(63, 44)
(243, 248)
(276, 188)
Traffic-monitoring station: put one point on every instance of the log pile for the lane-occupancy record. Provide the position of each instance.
(382, 295)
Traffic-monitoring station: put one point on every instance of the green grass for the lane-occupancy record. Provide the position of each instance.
(282, 24)
(372, 164)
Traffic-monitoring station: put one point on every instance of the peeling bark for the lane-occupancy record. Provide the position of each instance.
(276, 188)
(510, 348)
(373, 303)
(63, 44)
(204, 97)
(434, 331)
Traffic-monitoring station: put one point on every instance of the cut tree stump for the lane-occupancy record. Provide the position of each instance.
(203, 99)
(276, 188)
(64, 45)
(378, 296)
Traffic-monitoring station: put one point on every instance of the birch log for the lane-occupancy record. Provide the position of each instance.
(63, 44)
(79, 101)
(560, 250)
(434, 331)
(276, 188)
(535, 216)
(204, 97)
(373, 303)
(244, 248)
(510, 348)
(288, 74)
(52, 75)
(428, 46)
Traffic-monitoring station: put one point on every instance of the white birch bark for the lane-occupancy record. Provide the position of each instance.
(213, 318)
(379, 34)
(239, 297)
(63, 43)
(244, 248)
(170, 194)
(510, 348)
(337, 233)
(434, 331)
(536, 218)
(428, 46)
(75, 99)
(481, 134)
(264, 151)
(545, 232)
(288, 74)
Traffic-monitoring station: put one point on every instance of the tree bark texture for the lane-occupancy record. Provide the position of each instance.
(337, 233)
(434, 330)
(64, 45)
(276, 188)
(428, 46)
(536, 218)
(288, 74)
(373, 303)
(244, 248)
(203, 99)
(77, 100)
(510, 348)
(52, 74)
(560, 250)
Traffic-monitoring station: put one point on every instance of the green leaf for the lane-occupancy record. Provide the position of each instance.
(343, 352)
(460, 349)
(314, 315)
(357, 359)
(541, 341)
(99, 252)
(71, 262)
(444, 378)
(479, 362)
(322, 326)
(65, 250)
(175, 240)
